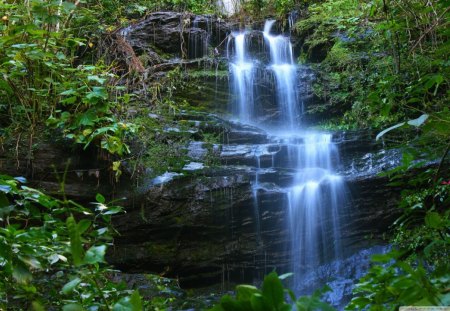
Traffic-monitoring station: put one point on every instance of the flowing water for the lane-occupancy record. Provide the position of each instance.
(317, 194)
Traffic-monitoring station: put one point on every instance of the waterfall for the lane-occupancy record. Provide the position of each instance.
(313, 205)
(316, 194)
(242, 71)
(285, 71)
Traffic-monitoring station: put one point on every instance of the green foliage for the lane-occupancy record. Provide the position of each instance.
(43, 83)
(138, 7)
(52, 252)
(383, 61)
(393, 283)
(260, 9)
(272, 296)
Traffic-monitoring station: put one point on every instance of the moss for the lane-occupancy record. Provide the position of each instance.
(166, 250)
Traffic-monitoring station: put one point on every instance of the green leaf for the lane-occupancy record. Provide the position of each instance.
(245, 292)
(68, 6)
(360, 302)
(83, 225)
(21, 274)
(36, 306)
(113, 210)
(73, 307)
(95, 254)
(272, 290)
(131, 303)
(4, 202)
(100, 198)
(258, 303)
(229, 304)
(87, 118)
(70, 286)
(69, 92)
(96, 79)
(76, 248)
(98, 92)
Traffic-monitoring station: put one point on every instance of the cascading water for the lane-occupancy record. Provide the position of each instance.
(316, 193)
(242, 71)
(314, 203)
(283, 66)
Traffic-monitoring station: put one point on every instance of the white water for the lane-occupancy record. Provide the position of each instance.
(316, 194)
(242, 71)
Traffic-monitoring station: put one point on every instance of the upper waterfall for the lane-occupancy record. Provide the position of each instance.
(249, 73)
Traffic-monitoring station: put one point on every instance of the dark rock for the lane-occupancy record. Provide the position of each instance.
(45, 164)
(176, 34)
(208, 227)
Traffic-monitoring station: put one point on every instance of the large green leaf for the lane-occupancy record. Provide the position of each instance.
(96, 79)
(98, 92)
(70, 286)
(83, 225)
(87, 118)
(273, 291)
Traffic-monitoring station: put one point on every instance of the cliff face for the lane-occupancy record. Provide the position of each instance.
(202, 228)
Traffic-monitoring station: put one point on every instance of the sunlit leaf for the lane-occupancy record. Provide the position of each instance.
(95, 254)
(419, 121)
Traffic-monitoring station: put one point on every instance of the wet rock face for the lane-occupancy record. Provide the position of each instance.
(177, 34)
(202, 227)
